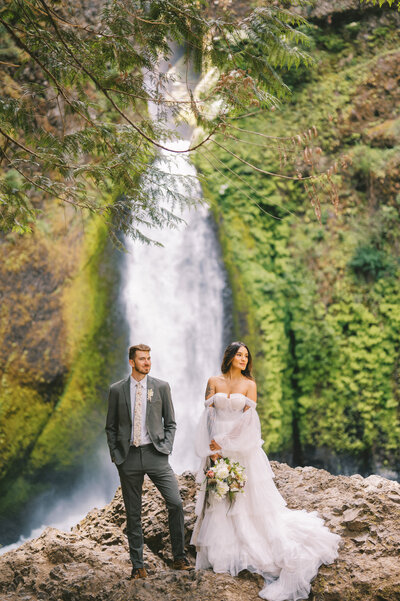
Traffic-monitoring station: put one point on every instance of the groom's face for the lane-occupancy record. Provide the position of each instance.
(141, 362)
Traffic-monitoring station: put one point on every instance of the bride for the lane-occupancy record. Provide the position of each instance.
(257, 532)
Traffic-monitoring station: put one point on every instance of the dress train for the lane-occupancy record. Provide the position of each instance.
(257, 532)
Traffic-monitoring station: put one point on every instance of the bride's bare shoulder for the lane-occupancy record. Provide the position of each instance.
(217, 379)
(212, 385)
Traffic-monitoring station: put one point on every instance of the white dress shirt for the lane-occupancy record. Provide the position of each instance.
(144, 435)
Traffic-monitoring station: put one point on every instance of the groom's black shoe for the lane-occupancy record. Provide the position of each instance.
(182, 564)
(138, 573)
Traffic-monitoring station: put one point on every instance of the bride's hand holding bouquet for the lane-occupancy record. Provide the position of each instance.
(225, 478)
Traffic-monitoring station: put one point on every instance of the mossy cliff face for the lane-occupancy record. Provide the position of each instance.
(319, 305)
(61, 340)
(62, 333)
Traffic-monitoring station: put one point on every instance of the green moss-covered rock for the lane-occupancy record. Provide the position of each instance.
(319, 304)
(62, 342)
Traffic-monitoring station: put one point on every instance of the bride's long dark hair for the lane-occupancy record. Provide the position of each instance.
(229, 354)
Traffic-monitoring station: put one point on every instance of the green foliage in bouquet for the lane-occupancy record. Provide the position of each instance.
(225, 478)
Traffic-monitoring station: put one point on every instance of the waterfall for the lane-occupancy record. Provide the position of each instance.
(174, 299)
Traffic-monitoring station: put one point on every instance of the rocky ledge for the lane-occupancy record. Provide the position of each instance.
(91, 562)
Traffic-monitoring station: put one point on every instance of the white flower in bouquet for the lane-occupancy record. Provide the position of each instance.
(222, 489)
(221, 471)
(224, 478)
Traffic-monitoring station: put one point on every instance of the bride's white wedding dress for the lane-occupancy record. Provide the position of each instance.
(257, 532)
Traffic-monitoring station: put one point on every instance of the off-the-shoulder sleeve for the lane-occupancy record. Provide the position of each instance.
(205, 430)
(208, 402)
(245, 434)
(204, 435)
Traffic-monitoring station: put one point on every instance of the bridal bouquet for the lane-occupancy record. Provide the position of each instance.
(225, 478)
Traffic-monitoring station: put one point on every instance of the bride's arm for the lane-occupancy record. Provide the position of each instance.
(245, 434)
(210, 389)
(205, 428)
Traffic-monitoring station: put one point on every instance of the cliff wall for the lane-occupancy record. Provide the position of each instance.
(319, 303)
(62, 340)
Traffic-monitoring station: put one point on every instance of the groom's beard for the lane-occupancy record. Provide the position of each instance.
(143, 370)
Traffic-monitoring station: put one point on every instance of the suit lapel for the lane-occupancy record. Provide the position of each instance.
(126, 387)
(150, 386)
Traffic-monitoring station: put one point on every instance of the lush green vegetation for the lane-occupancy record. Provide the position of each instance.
(319, 304)
(75, 86)
(76, 158)
(50, 423)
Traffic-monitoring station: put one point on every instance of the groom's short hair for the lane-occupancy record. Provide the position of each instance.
(137, 347)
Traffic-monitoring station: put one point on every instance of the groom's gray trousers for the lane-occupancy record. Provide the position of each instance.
(147, 460)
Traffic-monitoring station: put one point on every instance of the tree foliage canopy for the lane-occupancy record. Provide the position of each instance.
(382, 2)
(76, 85)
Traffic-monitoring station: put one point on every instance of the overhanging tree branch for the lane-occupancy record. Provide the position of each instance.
(114, 105)
(98, 132)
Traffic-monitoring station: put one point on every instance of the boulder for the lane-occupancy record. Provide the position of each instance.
(91, 562)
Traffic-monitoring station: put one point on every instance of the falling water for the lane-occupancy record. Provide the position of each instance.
(174, 298)
(95, 487)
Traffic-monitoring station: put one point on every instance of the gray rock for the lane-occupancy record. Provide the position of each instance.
(91, 563)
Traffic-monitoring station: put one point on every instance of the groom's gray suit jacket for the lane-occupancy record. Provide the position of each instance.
(160, 418)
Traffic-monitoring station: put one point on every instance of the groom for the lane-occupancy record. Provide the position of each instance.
(140, 432)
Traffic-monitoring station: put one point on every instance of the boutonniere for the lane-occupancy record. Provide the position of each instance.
(150, 393)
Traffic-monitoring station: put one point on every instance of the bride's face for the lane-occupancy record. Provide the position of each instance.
(241, 358)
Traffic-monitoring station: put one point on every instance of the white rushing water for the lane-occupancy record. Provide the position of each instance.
(174, 299)
(95, 488)
(174, 303)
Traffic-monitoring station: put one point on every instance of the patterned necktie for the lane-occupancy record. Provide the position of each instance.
(137, 416)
